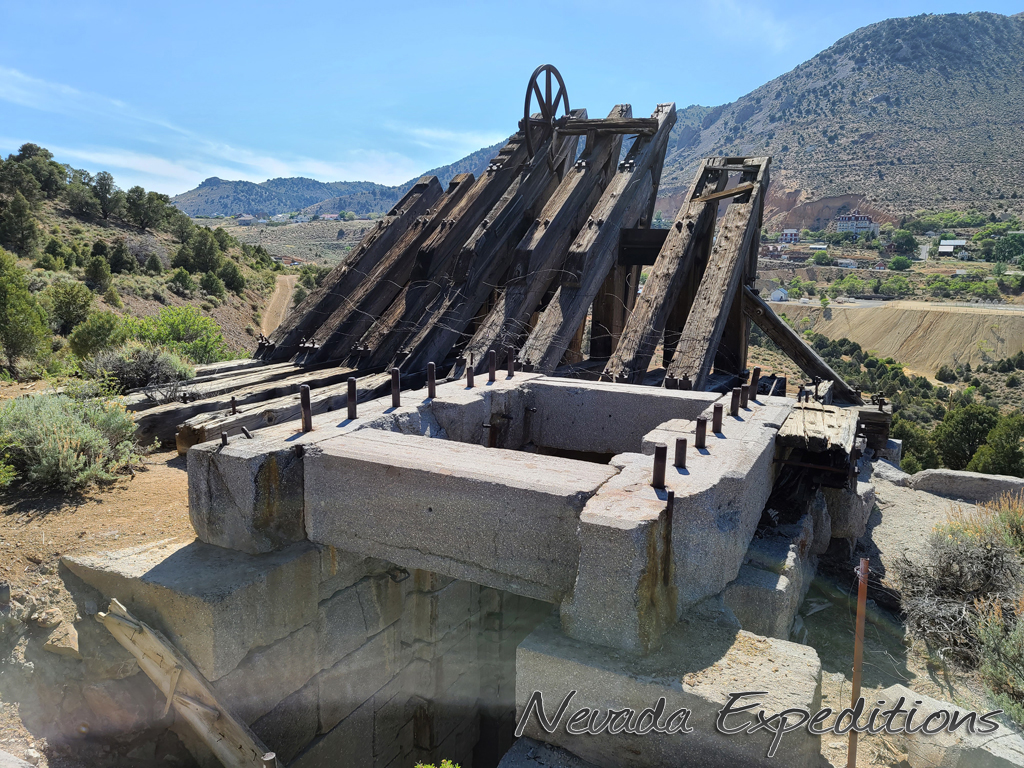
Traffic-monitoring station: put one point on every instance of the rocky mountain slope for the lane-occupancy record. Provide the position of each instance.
(914, 113)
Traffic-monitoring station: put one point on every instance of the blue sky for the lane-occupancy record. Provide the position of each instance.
(167, 94)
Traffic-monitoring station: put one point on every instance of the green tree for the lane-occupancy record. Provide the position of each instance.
(146, 209)
(1009, 248)
(822, 258)
(153, 264)
(186, 331)
(52, 176)
(904, 241)
(1002, 453)
(212, 284)
(97, 272)
(897, 285)
(18, 229)
(70, 302)
(100, 330)
(181, 281)
(183, 258)
(181, 225)
(987, 247)
(962, 431)
(82, 201)
(110, 198)
(232, 276)
(121, 259)
(222, 237)
(15, 177)
(900, 263)
(22, 320)
(205, 251)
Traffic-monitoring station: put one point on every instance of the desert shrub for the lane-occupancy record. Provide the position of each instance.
(181, 281)
(153, 264)
(100, 330)
(444, 764)
(232, 276)
(1001, 650)
(135, 365)
(57, 441)
(212, 284)
(184, 330)
(22, 320)
(69, 305)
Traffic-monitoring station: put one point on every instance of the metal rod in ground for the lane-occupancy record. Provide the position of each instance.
(660, 458)
(431, 381)
(666, 566)
(702, 434)
(353, 397)
(781, 386)
(307, 409)
(234, 406)
(270, 760)
(247, 433)
(755, 379)
(743, 397)
(858, 653)
(396, 388)
(223, 438)
(734, 406)
(680, 453)
(716, 422)
(469, 373)
(492, 365)
(511, 362)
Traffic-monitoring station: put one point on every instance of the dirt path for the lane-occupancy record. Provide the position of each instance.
(278, 306)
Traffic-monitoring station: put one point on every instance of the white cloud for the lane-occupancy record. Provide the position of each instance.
(442, 139)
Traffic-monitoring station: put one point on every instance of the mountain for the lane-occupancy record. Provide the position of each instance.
(907, 114)
(300, 194)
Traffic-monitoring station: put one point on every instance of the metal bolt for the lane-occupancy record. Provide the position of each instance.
(716, 424)
(431, 381)
(396, 388)
(307, 409)
(734, 406)
(680, 453)
(685, 383)
(702, 434)
(234, 407)
(224, 438)
(743, 397)
(353, 397)
(511, 360)
(492, 365)
(247, 433)
(754, 381)
(469, 374)
(660, 457)
(671, 382)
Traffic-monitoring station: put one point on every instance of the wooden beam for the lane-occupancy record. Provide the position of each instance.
(186, 689)
(305, 319)
(725, 193)
(644, 126)
(790, 342)
(203, 387)
(594, 252)
(646, 323)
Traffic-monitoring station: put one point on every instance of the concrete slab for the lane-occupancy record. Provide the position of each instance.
(700, 665)
(505, 519)
(214, 604)
(969, 486)
(530, 753)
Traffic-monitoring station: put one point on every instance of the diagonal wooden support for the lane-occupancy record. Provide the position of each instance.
(790, 342)
(306, 318)
(592, 255)
(723, 278)
(186, 690)
(538, 258)
(675, 262)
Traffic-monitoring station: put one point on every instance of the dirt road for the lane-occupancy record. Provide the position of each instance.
(279, 302)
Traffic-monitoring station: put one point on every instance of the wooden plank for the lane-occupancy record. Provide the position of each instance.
(646, 323)
(539, 256)
(343, 329)
(819, 428)
(161, 422)
(267, 413)
(303, 321)
(202, 388)
(725, 193)
(594, 252)
(790, 342)
(644, 126)
(186, 689)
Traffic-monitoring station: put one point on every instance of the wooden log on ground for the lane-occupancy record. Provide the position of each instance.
(185, 688)
(819, 429)
(646, 323)
(305, 319)
(593, 254)
(796, 349)
(149, 397)
(343, 329)
(538, 258)
(160, 423)
(722, 279)
(254, 416)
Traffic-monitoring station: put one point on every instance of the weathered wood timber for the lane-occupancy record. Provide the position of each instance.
(340, 332)
(253, 416)
(646, 323)
(185, 688)
(643, 126)
(723, 279)
(161, 422)
(594, 252)
(725, 193)
(303, 321)
(819, 429)
(796, 349)
(204, 387)
(539, 256)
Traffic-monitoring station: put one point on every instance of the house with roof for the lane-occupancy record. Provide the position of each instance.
(779, 294)
(857, 223)
(790, 236)
(245, 220)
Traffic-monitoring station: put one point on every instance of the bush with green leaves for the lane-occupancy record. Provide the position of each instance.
(232, 276)
(60, 442)
(97, 271)
(135, 365)
(70, 302)
(22, 320)
(181, 281)
(212, 284)
(153, 265)
(100, 330)
(184, 330)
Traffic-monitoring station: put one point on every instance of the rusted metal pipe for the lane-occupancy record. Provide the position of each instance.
(306, 407)
(743, 397)
(431, 381)
(234, 406)
(270, 760)
(702, 434)
(666, 566)
(858, 653)
(680, 461)
(492, 365)
(755, 379)
(511, 361)
(716, 422)
(353, 397)
(396, 388)
(734, 406)
(469, 375)
(660, 459)
(224, 438)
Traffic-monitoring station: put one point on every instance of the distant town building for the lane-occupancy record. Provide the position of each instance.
(819, 247)
(301, 219)
(879, 266)
(279, 217)
(846, 263)
(329, 216)
(946, 250)
(245, 220)
(857, 223)
(790, 236)
(952, 242)
(779, 294)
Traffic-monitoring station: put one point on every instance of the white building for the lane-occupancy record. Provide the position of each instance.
(779, 294)
(857, 223)
(846, 263)
(790, 236)
(952, 243)
(301, 219)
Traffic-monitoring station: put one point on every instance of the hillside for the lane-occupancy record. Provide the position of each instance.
(923, 112)
(275, 196)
